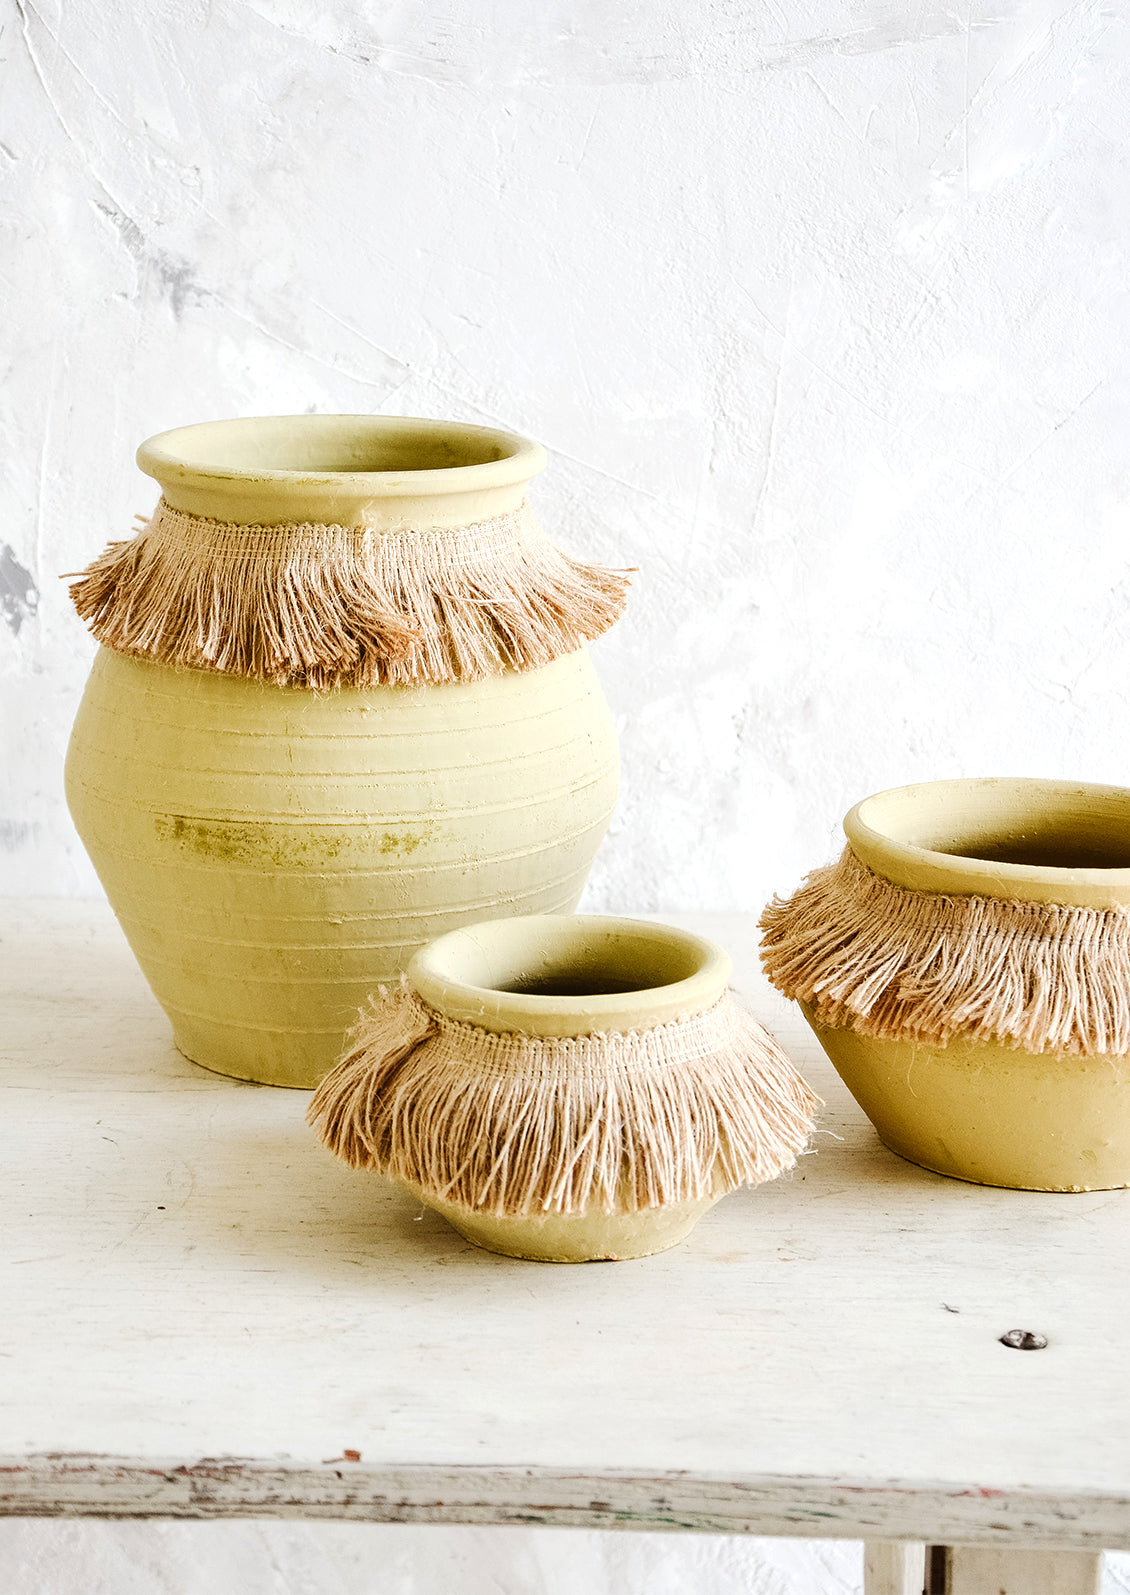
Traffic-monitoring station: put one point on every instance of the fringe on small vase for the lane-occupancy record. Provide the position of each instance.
(519, 1125)
(326, 606)
(902, 965)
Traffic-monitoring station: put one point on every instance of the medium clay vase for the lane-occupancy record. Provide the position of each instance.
(966, 967)
(344, 706)
(566, 1089)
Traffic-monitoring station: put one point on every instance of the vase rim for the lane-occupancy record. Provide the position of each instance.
(366, 457)
(471, 974)
(1023, 838)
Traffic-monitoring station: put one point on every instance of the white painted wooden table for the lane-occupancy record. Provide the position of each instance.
(205, 1315)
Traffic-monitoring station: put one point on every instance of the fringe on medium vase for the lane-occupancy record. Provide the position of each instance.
(902, 965)
(325, 606)
(519, 1125)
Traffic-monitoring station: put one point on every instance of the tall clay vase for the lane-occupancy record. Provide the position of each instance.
(343, 706)
(966, 967)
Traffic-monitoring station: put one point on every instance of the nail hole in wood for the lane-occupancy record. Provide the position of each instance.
(1024, 1340)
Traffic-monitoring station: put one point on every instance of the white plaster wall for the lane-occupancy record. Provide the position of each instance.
(821, 309)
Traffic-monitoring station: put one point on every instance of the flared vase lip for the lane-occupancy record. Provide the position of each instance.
(199, 455)
(880, 828)
(438, 973)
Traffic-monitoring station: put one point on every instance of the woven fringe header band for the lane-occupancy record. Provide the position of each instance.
(903, 965)
(325, 606)
(520, 1125)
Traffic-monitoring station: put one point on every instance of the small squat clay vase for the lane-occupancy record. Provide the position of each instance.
(966, 967)
(566, 1089)
(343, 704)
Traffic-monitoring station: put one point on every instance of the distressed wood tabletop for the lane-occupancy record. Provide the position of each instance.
(203, 1314)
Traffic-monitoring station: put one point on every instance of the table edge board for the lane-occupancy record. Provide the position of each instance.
(76, 1485)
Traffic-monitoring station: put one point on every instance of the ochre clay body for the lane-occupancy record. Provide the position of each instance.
(274, 854)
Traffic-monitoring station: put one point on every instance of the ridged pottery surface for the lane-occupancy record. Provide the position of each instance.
(991, 1114)
(273, 854)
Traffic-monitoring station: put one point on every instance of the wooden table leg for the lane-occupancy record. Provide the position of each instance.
(893, 1568)
(975, 1570)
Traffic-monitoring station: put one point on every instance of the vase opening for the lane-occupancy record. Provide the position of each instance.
(342, 469)
(567, 983)
(1047, 852)
(577, 959)
(570, 974)
(1042, 841)
(330, 445)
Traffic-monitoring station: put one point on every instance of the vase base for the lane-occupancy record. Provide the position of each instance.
(922, 1161)
(589, 1237)
(287, 1061)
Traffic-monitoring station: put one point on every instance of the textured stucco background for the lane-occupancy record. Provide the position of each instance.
(821, 309)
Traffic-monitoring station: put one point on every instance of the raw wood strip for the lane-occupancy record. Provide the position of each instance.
(990, 1570)
(518, 1125)
(903, 965)
(890, 1568)
(326, 606)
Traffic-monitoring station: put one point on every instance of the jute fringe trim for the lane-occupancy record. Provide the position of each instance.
(325, 606)
(518, 1125)
(902, 965)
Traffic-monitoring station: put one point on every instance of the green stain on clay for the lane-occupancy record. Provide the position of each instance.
(286, 846)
